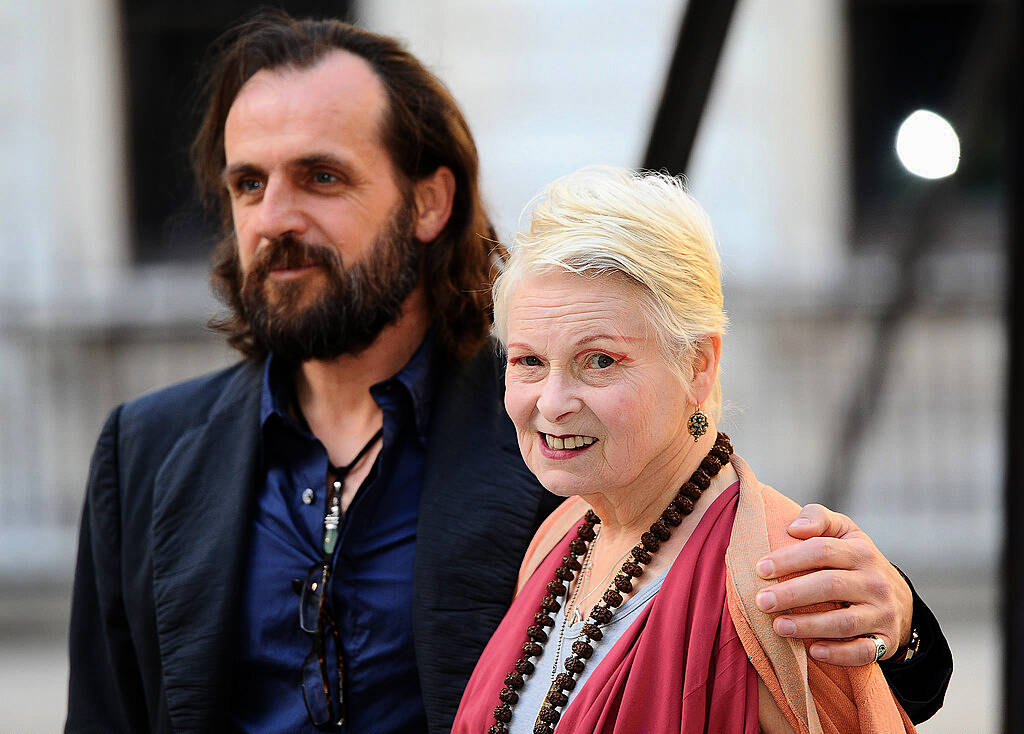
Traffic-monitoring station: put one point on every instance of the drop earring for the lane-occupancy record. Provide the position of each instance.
(697, 426)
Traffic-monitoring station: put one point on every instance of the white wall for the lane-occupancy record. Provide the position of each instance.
(550, 87)
(62, 193)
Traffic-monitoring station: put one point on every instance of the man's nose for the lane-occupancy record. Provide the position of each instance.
(557, 398)
(280, 211)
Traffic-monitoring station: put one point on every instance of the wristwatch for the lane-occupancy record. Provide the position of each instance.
(906, 654)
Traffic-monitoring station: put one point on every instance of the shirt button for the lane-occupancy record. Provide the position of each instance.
(308, 496)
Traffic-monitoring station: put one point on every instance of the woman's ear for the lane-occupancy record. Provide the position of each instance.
(433, 196)
(705, 366)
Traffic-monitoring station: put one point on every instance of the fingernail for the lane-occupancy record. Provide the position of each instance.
(765, 601)
(785, 626)
(765, 568)
(800, 522)
(819, 652)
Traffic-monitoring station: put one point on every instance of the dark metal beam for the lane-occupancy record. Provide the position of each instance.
(698, 47)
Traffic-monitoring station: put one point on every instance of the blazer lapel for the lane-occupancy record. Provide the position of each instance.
(478, 509)
(201, 511)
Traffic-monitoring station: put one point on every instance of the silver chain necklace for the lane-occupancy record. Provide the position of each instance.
(572, 605)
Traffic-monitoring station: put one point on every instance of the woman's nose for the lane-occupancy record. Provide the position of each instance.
(557, 398)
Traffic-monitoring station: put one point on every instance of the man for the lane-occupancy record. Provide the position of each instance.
(324, 536)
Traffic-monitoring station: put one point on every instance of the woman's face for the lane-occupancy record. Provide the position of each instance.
(596, 406)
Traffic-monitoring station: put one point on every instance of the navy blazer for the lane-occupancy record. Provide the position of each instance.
(163, 540)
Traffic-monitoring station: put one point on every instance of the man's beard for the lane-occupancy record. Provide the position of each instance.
(349, 311)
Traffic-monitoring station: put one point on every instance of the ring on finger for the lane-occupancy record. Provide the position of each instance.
(879, 646)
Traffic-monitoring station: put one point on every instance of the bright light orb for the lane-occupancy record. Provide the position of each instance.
(928, 146)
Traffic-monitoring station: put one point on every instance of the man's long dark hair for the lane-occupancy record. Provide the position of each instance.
(422, 129)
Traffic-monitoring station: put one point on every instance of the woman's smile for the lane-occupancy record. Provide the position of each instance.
(564, 446)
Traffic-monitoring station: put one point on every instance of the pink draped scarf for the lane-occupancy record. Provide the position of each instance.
(680, 667)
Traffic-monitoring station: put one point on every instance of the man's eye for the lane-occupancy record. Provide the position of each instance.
(323, 177)
(600, 361)
(249, 185)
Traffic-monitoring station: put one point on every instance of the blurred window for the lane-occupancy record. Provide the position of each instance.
(165, 46)
(907, 55)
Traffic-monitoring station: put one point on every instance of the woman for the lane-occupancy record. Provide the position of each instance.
(635, 612)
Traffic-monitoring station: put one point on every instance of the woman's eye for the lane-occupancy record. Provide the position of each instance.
(528, 361)
(600, 361)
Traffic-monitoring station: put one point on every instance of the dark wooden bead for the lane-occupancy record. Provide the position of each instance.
(497, 729)
(586, 532)
(541, 728)
(543, 620)
(508, 696)
(571, 563)
(591, 517)
(503, 713)
(720, 453)
(650, 542)
(556, 698)
(624, 583)
(612, 598)
(691, 490)
(536, 633)
(660, 531)
(582, 649)
(711, 465)
(564, 574)
(548, 714)
(671, 516)
(601, 615)
(640, 554)
(532, 649)
(700, 479)
(592, 631)
(683, 503)
(565, 682)
(550, 604)
(574, 665)
(577, 546)
(524, 666)
(556, 588)
(633, 569)
(514, 680)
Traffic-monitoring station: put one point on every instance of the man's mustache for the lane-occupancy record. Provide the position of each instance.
(288, 252)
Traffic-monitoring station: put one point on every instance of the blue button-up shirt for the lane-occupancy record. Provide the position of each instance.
(370, 589)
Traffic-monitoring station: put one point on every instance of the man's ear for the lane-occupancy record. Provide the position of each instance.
(705, 366)
(433, 196)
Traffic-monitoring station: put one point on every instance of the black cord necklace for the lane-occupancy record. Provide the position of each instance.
(332, 517)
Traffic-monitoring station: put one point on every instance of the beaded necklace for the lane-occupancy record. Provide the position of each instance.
(583, 580)
(536, 634)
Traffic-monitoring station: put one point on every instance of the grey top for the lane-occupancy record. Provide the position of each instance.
(532, 694)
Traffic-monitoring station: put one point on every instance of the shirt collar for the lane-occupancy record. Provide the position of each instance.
(417, 377)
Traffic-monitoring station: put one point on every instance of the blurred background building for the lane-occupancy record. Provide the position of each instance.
(866, 355)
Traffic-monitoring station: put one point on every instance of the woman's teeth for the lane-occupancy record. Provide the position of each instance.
(568, 442)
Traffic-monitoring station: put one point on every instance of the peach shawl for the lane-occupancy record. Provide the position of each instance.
(815, 698)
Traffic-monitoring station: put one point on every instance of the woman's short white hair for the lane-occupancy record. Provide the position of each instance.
(605, 220)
